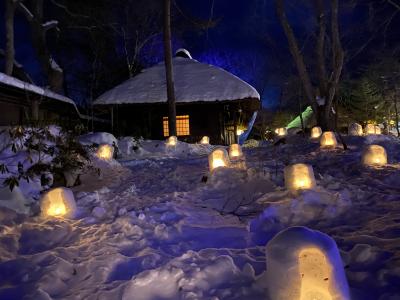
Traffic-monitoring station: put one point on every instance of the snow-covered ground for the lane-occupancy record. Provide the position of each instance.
(158, 226)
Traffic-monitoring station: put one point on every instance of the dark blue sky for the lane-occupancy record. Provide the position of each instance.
(247, 40)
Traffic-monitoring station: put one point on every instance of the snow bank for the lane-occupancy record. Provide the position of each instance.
(191, 276)
(127, 146)
(98, 138)
(156, 149)
(14, 200)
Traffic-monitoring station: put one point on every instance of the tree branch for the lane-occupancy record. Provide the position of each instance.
(26, 12)
(296, 53)
(320, 46)
(337, 53)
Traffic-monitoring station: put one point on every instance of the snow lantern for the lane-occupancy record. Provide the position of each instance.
(105, 152)
(374, 155)
(328, 139)
(218, 158)
(303, 264)
(316, 132)
(355, 129)
(205, 140)
(281, 131)
(172, 141)
(299, 177)
(372, 129)
(58, 202)
(235, 151)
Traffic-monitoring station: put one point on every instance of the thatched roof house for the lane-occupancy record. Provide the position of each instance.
(210, 101)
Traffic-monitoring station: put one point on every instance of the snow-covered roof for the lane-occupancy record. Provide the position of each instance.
(11, 81)
(194, 82)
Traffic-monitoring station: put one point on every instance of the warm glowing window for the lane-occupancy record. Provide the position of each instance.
(182, 125)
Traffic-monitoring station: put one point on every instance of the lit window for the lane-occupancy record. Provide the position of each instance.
(182, 125)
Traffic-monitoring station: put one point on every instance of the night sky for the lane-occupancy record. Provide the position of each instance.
(246, 40)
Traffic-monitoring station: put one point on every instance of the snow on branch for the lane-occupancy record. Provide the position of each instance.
(49, 25)
(26, 12)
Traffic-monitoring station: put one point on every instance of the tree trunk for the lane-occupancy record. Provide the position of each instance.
(169, 69)
(323, 118)
(53, 72)
(10, 51)
(397, 115)
(327, 84)
(296, 53)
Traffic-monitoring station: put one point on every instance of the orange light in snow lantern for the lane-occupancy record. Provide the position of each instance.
(315, 268)
(218, 158)
(281, 131)
(299, 177)
(105, 152)
(374, 155)
(316, 132)
(328, 139)
(372, 129)
(235, 151)
(172, 141)
(205, 140)
(58, 202)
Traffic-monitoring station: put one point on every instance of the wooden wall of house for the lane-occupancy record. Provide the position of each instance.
(147, 120)
(10, 114)
(214, 119)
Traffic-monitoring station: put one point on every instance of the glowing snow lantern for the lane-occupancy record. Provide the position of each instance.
(218, 158)
(105, 152)
(58, 202)
(299, 177)
(316, 132)
(235, 151)
(355, 129)
(205, 140)
(328, 139)
(281, 131)
(374, 155)
(172, 141)
(310, 263)
(372, 129)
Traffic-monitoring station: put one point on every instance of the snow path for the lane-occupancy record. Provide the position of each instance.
(167, 234)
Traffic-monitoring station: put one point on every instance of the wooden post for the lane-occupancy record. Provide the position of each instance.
(112, 119)
(35, 109)
(169, 69)
(235, 124)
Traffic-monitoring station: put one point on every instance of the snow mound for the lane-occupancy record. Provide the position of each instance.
(98, 138)
(157, 149)
(191, 276)
(284, 211)
(14, 200)
(127, 146)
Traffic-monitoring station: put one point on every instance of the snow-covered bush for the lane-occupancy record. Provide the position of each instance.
(48, 153)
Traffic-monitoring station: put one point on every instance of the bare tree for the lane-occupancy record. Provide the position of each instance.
(169, 68)
(327, 81)
(39, 30)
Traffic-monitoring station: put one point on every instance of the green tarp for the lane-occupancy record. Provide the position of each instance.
(307, 117)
